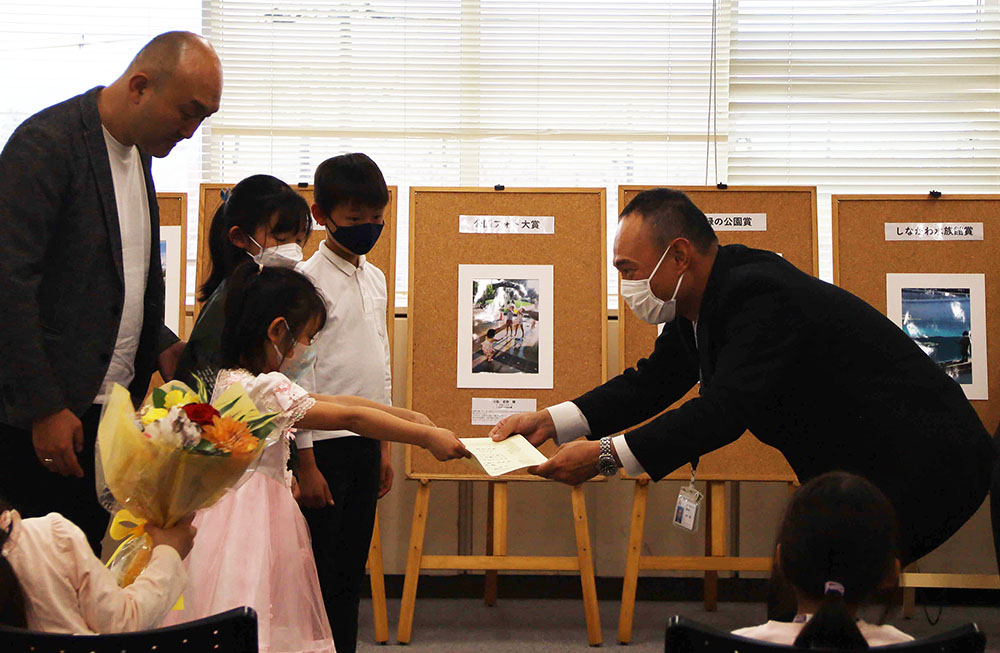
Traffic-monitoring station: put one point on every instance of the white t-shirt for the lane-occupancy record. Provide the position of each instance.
(133, 223)
(352, 350)
(780, 632)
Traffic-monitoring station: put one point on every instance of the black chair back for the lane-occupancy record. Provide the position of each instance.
(233, 631)
(685, 636)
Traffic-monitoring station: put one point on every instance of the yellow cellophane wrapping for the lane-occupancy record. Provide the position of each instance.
(155, 482)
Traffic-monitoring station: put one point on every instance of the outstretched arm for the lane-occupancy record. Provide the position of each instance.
(381, 425)
(401, 413)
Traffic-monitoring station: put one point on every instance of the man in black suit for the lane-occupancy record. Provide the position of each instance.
(809, 368)
(82, 290)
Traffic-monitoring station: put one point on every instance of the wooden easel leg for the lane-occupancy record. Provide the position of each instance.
(408, 604)
(496, 541)
(491, 577)
(377, 576)
(909, 602)
(586, 562)
(627, 612)
(715, 539)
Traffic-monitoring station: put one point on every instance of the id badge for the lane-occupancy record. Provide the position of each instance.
(688, 510)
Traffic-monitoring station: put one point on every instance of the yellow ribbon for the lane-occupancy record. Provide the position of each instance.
(126, 526)
(120, 531)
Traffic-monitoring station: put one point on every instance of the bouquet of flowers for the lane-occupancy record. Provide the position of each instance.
(178, 454)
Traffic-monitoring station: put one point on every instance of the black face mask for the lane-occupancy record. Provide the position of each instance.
(360, 238)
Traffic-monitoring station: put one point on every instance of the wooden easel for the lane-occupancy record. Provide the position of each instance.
(859, 222)
(438, 247)
(498, 559)
(714, 560)
(173, 212)
(376, 574)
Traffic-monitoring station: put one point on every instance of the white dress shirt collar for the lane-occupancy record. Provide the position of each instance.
(343, 264)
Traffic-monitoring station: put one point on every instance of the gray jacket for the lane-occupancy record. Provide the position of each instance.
(61, 281)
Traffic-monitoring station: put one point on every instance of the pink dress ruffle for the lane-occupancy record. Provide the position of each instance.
(253, 546)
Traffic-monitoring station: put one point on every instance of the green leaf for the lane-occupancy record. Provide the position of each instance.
(159, 398)
(202, 390)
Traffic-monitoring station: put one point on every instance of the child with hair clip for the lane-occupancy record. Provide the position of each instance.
(263, 219)
(51, 581)
(837, 546)
(253, 547)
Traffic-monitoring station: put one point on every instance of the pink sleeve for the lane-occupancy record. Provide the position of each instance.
(290, 398)
(107, 608)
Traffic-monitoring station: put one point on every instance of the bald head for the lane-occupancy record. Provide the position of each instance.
(170, 51)
(169, 88)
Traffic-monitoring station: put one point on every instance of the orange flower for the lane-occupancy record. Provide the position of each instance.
(228, 434)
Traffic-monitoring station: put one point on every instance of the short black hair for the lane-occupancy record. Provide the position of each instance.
(349, 178)
(673, 215)
(490, 333)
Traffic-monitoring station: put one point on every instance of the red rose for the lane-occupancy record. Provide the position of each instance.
(200, 413)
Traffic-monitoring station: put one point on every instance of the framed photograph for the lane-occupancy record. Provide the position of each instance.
(505, 326)
(945, 314)
(172, 267)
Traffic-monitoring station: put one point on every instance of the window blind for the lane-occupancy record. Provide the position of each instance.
(865, 96)
(471, 93)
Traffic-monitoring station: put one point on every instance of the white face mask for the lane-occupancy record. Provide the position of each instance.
(279, 256)
(647, 306)
(298, 362)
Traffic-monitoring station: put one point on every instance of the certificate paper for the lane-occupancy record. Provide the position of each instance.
(499, 458)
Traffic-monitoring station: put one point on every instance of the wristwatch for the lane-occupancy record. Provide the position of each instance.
(606, 463)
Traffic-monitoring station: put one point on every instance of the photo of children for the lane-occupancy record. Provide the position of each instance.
(502, 344)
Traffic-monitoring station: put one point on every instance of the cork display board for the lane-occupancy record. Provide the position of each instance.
(173, 213)
(576, 253)
(382, 256)
(792, 232)
(862, 257)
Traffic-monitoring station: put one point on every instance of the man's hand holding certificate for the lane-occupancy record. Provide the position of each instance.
(498, 458)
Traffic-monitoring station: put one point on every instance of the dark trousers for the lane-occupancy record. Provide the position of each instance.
(342, 533)
(35, 491)
(995, 498)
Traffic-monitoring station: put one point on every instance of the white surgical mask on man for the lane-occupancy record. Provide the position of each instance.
(648, 307)
(279, 256)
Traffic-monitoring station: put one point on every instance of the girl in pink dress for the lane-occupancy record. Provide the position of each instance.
(253, 546)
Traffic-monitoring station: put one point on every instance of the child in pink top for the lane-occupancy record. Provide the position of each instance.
(51, 581)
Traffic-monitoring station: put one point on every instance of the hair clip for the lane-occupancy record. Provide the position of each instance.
(833, 587)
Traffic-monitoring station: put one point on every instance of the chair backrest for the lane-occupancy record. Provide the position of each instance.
(685, 636)
(231, 631)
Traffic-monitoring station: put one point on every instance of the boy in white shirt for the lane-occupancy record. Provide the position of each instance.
(341, 475)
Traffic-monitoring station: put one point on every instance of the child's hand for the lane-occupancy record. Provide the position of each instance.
(420, 418)
(180, 537)
(313, 489)
(445, 446)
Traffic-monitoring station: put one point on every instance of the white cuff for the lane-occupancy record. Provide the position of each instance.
(303, 439)
(569, 422)
(629, 462)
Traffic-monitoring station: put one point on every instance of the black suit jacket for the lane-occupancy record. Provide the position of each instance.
(61, 279)
(808, 368)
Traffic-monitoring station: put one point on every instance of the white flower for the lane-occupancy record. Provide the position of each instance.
(190, 432)
(161, 432)
(175, 430)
